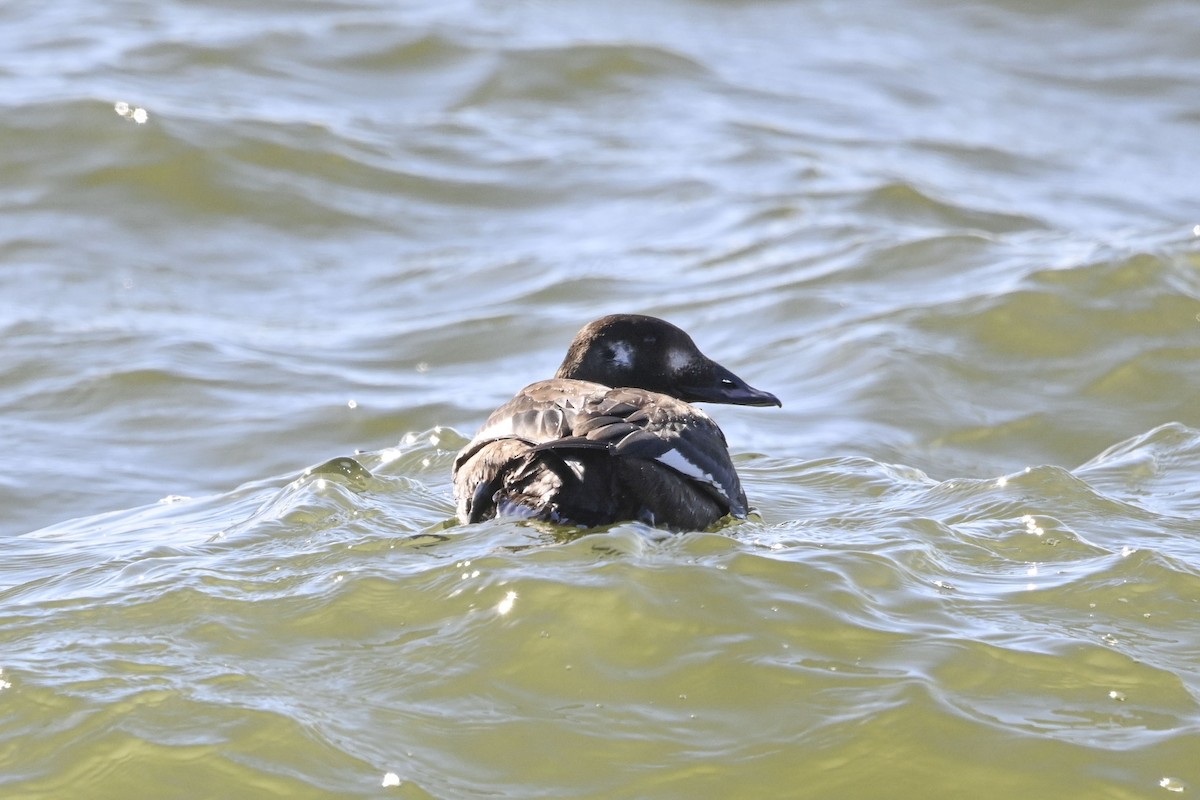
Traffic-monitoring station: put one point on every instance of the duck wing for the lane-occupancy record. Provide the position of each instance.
(635, 423)
(553, 433)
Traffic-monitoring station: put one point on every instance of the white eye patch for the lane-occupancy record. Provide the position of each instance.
(622, 354)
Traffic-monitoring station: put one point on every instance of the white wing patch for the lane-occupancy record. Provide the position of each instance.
(676, 461)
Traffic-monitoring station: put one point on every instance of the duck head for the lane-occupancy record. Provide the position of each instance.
(637, 351)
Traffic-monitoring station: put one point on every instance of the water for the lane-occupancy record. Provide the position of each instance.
(243, 339)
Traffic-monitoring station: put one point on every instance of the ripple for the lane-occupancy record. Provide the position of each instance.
(1150, 470)
(957, 241)
(907, 203)
(579, 72)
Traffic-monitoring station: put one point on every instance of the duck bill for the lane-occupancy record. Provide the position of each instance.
(725, 387)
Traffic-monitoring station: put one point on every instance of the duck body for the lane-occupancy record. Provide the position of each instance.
(613, 437)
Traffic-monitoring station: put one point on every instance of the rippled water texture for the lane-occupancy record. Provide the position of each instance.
(262, 273)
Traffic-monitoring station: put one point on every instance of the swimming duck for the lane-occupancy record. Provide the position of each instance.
(612, 437)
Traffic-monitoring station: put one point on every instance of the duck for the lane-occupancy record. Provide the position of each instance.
(612, 437)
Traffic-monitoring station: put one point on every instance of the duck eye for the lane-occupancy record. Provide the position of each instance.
(608, 353)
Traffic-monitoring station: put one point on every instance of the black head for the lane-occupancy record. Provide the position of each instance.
(635, 351)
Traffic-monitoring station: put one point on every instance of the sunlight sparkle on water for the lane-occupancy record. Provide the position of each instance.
(390, 779)
(137, 115)
(506, 605)
(1002, 481)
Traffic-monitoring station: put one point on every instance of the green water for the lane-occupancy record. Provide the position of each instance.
(959, 243)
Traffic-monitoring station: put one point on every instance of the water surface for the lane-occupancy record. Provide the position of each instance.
(243, 338)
